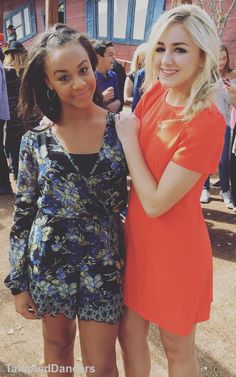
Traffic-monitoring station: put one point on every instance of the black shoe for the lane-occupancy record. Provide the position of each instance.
(6, 191)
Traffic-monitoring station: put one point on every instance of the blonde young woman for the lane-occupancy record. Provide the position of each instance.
(171, 144)
(136, 64)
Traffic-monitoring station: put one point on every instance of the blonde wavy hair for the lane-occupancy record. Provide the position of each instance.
(138, 57)
(203, 32)
(16, 60)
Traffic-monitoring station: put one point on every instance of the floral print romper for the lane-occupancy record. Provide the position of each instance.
(66, 243)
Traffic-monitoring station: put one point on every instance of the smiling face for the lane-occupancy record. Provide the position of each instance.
(10, 32)
(178, 59)
(68, 71)
(106, 62)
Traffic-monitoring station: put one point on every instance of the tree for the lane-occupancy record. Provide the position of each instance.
(219, 11)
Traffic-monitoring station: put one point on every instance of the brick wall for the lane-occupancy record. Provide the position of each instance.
(76, 18)
(9, 6)
(124, 52)
(76, 14)
(229, 35)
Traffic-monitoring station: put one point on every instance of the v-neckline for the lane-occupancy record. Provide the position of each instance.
(99, 156)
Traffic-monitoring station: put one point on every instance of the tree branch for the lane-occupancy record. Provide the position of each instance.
(217, 12)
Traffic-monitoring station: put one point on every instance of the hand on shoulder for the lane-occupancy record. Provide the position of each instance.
(127, 127)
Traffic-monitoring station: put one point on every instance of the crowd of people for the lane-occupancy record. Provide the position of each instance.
(13, 60)
(71, 256)
(115, 89)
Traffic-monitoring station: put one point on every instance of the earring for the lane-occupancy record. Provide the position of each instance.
(51, 94)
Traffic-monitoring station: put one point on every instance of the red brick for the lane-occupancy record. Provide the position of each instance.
(76, 18)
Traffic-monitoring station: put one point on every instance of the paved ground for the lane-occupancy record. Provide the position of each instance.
(21, 342)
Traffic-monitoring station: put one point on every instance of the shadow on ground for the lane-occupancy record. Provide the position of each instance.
(207, 365)
(7, 201)
(222, 238)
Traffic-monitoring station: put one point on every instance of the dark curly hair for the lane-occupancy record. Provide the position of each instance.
(100, 46)
(33, 92)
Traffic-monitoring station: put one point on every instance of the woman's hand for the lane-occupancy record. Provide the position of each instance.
(127, 127)
(114, 106)
(108, 94)
(232, 93)
(25, 306)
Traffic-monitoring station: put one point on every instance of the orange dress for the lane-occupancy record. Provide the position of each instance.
(168, 277)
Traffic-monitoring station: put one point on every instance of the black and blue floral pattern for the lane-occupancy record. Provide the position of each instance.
(66, 243)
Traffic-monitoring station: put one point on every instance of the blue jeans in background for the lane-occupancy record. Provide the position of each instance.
(4, 175)
(207, 184)
(224, 162)
(223, 165)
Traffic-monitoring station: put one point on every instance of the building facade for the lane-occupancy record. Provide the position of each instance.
(126, 22)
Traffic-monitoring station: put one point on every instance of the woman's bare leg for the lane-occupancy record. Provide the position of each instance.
(181, 354)
(98, 342)
(59, 335)
(133, 340)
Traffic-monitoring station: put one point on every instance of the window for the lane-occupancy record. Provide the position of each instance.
(179, 2)
(23, 20)
(102, 18)
(120, 18)
(61, 12)
(122, 21)
(140, 16)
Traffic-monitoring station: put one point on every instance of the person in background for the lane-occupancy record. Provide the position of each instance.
(2, 56)
(14, 63)
(138, 87)
(136, 64)
(172, 143)
(233, 161)
(231, 89)
(120, 71)
(5, 185)
(107, 80)
(226, 72)
(11, 34)
(223, 103)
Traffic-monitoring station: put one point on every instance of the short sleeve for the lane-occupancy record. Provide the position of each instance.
(201, 142)
(148, 98)
(137, 91)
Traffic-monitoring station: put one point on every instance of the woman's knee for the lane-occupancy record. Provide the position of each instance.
(59, 337)
(179, 354)
(178, 348)
(97, 341)
(60, 345)
(103, 364)
(133, 331)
